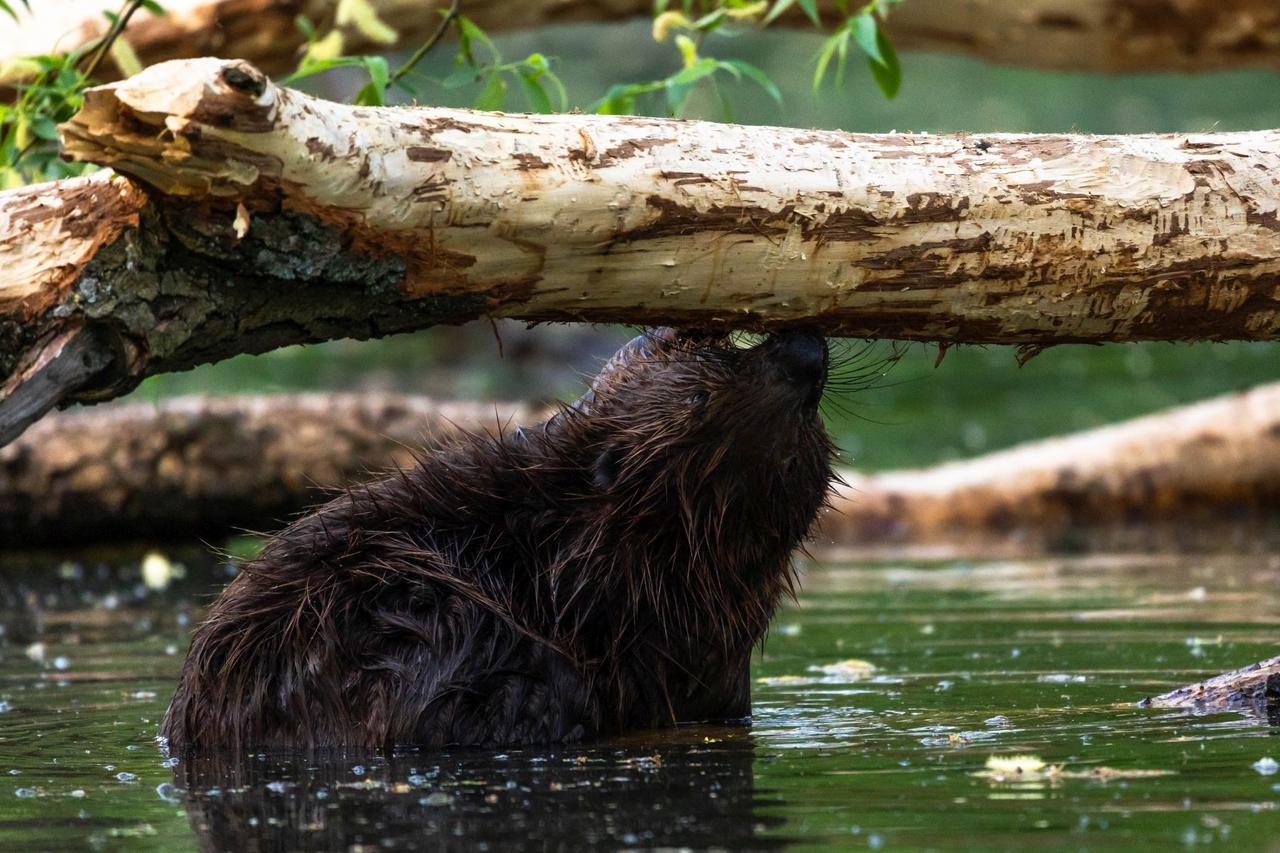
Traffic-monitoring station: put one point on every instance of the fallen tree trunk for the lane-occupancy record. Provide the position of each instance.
(1077, 35)
(1168, 475)
(1254, 688)
(193, 467)
(203, 466)
(276, 218)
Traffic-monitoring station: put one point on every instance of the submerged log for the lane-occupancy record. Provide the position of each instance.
(1201, 465)
(204, 466)
(1254, 688)
(275, 218)
(1077, 35)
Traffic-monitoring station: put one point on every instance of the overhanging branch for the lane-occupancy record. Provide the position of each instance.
(276, 218)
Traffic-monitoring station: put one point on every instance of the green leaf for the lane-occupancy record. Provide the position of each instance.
(866, 34)
(694, 73)
(460, 76)
(153, 7)
(379, 72)
(494, 94)
(370, 95)
(829, 48)
(45, 128)
(534, 93)
(470, 33)
(810, 8)
(305, 27)
(888, 73)
(753, 73)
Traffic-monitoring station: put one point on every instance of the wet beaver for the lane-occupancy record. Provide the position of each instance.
(610, 569)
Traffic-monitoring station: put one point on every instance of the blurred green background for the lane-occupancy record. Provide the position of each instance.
(977, 400)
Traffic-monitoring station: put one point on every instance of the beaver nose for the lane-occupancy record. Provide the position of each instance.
(803, 355)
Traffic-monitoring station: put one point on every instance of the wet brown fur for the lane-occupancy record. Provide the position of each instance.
(610, 569)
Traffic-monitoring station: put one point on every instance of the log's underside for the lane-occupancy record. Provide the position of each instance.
(256, 217)
(1079, 35)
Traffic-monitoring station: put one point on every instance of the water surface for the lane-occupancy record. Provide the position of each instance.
(879, 701)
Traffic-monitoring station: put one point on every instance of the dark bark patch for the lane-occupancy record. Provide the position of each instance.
(424, 154)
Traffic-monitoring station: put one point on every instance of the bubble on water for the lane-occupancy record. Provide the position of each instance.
(126, 776)
(25, 793)
(170, 763)
(1061, 678)
(439, 798)
(62, 662)
(997, 720)
(169, 793)
(875, 841)
(417, 779)
(170, 650)
(35, 651)
(5, 707)
(78, 793)
(1266, 766)
(358, 770)
(276, 787)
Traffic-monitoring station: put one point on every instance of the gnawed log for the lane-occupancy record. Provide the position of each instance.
(1078, 35)
(204, 466)
(277, 218)
(1193, 468)
(1254, 688)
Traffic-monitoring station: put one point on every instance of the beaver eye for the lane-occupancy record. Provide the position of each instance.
(697, 399)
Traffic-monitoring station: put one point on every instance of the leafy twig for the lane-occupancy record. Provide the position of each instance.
(422, 51)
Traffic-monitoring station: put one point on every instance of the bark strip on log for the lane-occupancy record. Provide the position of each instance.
(1191, 468)
(1253, 688)
(204, 466)
(1077, 35)
(278, 218)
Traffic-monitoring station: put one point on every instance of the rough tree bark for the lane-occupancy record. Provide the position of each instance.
(205, 466)
(1253, 688)
(1079, 35)
(276, 218)
(1193, 468)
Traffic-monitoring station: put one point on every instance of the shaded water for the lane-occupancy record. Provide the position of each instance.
(972, 660)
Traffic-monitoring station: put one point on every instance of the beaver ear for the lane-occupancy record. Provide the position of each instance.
(608, 468)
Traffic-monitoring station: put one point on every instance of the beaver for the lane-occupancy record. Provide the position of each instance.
(607, 570)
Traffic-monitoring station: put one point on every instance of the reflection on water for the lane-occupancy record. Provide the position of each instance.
(674, 791)
(879, 702)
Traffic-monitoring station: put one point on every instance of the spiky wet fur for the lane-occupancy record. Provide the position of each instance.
(610, 569)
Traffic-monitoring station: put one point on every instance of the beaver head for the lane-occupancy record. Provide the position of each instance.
(705, 464)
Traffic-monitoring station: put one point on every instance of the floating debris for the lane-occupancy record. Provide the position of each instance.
(1032, 768)
(35, 651)
(850, 670)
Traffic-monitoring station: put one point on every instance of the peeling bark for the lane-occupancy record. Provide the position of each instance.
(205, 466)
(1206, 467)
(277, 218)
(1077, 35)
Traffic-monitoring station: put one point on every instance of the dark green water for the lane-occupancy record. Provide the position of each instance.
(971, 661)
